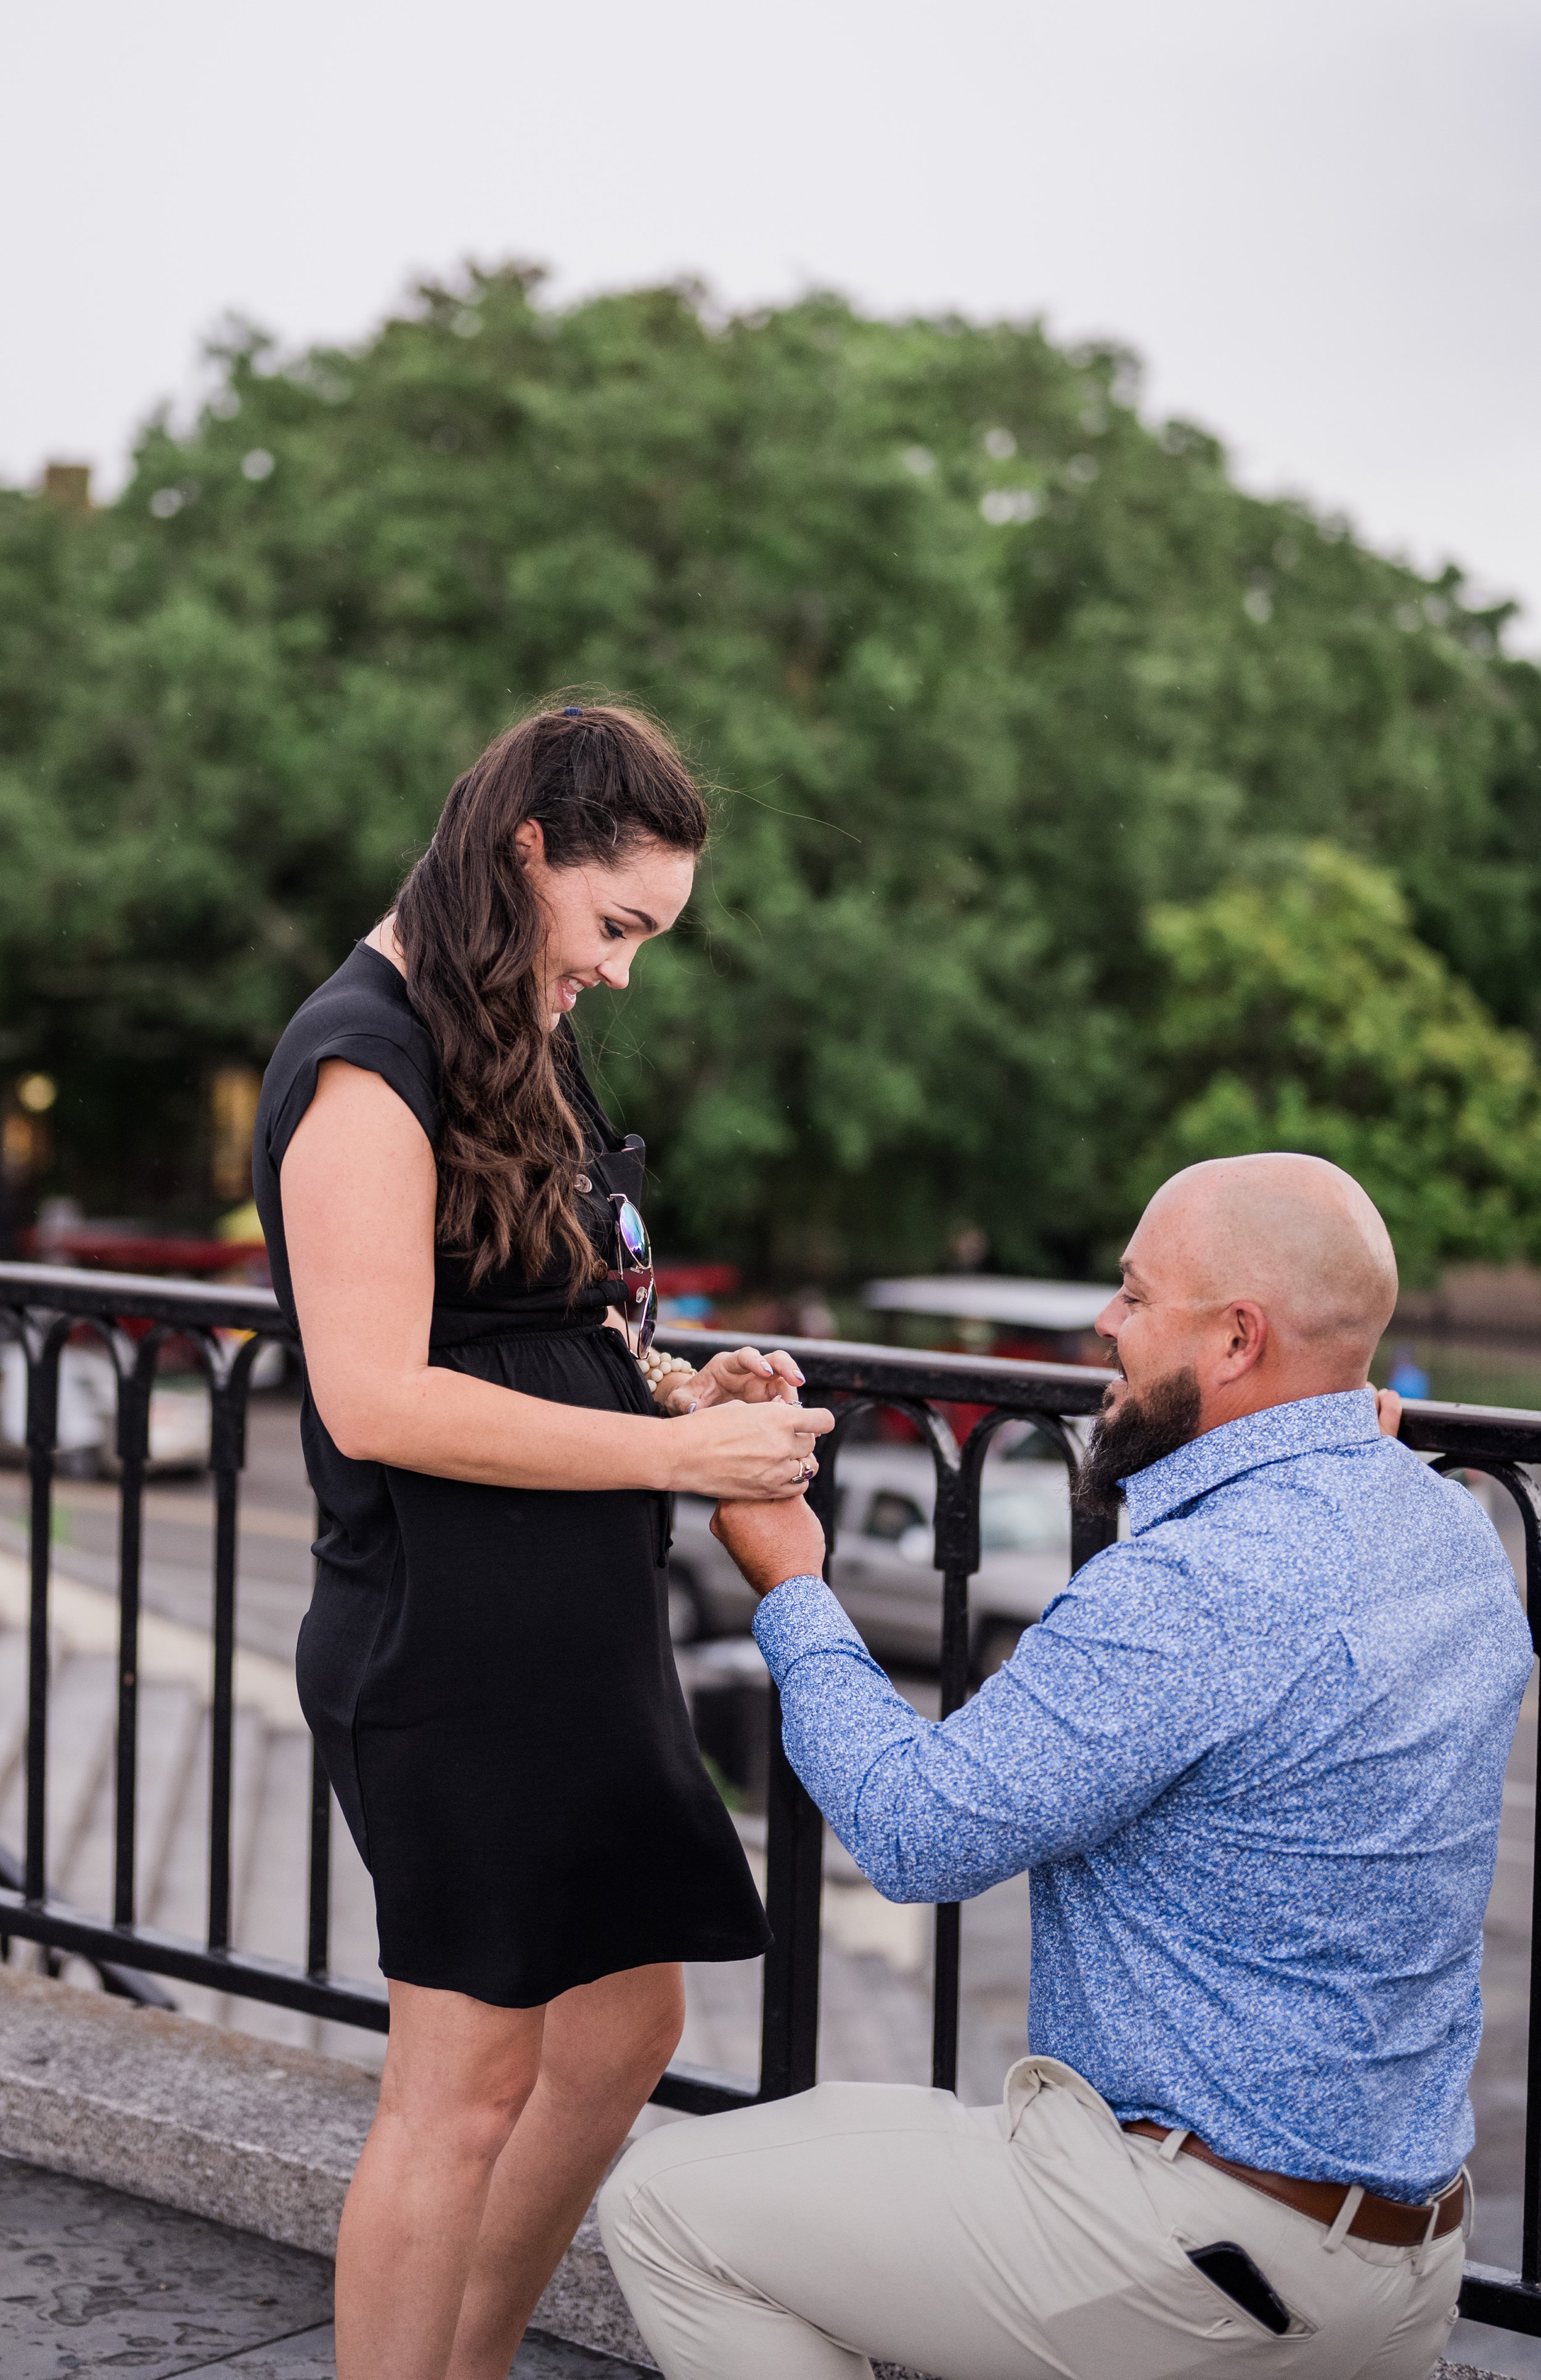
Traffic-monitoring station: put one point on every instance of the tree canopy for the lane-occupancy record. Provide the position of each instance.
(1300, 1012)
(1010, 695)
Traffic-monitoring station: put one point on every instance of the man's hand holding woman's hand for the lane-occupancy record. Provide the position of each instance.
(770, 1542)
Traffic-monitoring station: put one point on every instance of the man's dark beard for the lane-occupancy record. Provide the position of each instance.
(1140, 1432)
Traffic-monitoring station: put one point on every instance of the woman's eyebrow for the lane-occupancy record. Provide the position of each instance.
(642, 916)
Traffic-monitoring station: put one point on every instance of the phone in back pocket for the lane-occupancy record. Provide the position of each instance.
(1233, 2270)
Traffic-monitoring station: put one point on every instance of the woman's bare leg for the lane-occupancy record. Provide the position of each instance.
(457, 2075)
(602, 2049)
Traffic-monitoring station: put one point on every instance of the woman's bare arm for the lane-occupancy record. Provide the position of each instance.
(360, 1189)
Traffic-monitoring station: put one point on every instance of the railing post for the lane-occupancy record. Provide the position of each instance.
(1509, 1476)
(317, 1890)
(793, 1892)
(43, 1352)
(229, 1386)
(957, 1553)
(1090, 1533)
(318, 1932)
(135, 1387)
(1530, 2239)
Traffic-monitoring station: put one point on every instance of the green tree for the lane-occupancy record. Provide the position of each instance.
(987, 667)
(1303, 1013)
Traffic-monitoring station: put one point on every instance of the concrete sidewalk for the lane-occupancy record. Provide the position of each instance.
(93, 2280)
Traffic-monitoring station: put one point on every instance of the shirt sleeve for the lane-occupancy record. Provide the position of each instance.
(372, 1053)
(1116, 1693)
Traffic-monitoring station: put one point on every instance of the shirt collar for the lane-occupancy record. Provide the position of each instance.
(1312, 1426)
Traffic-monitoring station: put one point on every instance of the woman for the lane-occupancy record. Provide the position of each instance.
(486, 1662)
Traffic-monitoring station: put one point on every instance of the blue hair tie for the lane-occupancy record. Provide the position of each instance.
(574, 711)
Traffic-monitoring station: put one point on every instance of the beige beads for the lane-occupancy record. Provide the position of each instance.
(664, 1372)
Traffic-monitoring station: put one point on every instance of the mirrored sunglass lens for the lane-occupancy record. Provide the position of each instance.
(634, 1231)
(648, 1323)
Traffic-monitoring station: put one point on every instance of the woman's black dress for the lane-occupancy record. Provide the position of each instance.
(487, 1671)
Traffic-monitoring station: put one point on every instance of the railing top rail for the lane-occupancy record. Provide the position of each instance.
(74, 1288)
(1500, 1433)
(1506, 1433)
(1510, 1433)
(857, 1364)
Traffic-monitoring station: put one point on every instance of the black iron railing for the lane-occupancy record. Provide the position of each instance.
(42, 1308)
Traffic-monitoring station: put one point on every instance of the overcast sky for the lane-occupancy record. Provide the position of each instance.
(1318, 221)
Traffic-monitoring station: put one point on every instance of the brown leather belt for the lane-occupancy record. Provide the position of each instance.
(1385, 2220)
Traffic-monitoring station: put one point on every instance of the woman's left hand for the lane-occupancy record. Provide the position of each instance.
(746, 1375)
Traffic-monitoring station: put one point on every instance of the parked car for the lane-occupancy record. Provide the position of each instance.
(88, 1414)
(884, 1568)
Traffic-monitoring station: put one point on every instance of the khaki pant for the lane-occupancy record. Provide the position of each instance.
(792, 2242)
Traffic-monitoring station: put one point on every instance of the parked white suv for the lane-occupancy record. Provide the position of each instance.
(884, 1568)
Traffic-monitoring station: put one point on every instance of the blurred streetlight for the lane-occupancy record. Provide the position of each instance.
(233, 1095)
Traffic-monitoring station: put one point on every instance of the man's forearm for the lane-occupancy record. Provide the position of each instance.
(910, 1800)
(1102, 1707)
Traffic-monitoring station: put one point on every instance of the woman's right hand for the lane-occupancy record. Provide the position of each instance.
(746, 1452)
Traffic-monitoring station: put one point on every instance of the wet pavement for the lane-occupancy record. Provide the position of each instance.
(95, 2281)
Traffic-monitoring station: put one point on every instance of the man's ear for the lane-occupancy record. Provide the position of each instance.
(1246, 1339)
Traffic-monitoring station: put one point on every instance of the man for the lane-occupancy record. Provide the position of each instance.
(1253, 1760)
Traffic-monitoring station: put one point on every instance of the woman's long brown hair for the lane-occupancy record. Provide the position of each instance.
(601, 780)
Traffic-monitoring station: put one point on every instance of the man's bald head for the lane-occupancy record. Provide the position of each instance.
(1250, 1281)
(1294, 1234)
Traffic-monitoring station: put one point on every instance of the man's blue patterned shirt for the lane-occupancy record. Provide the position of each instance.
(1253, 1760)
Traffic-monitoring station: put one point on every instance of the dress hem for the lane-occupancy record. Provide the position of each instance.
(696, 1954)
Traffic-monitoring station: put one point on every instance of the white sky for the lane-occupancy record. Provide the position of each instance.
(1319, 220)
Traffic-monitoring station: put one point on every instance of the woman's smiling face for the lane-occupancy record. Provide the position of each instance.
(597, 915)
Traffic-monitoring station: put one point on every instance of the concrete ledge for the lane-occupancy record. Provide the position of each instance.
(241, 2132)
